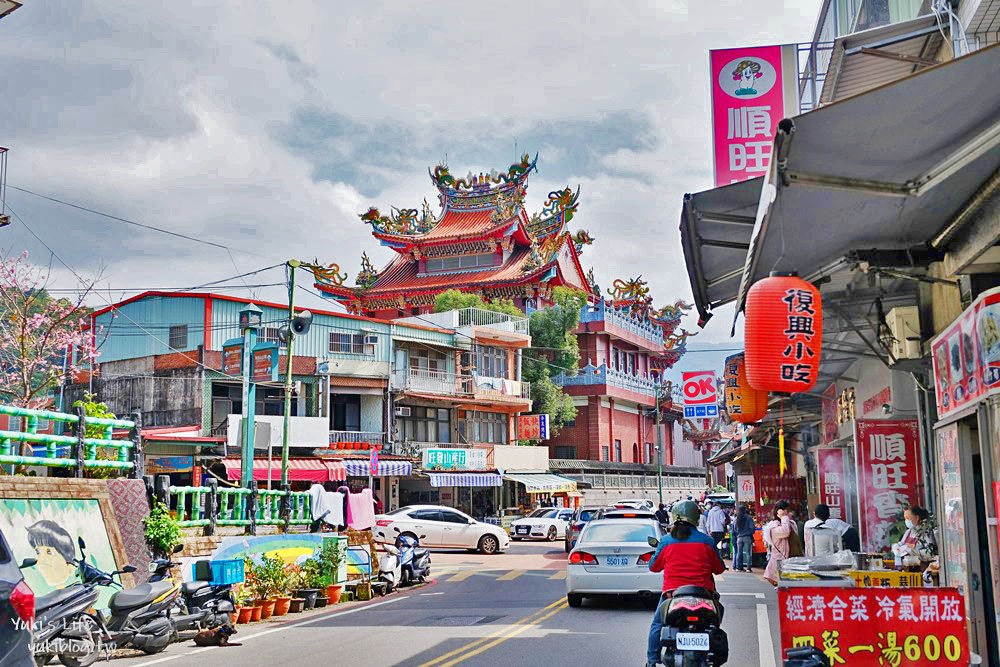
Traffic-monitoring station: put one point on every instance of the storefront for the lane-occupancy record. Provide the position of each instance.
(459, 477)
(528, 489)
(475, 493)
(385, 479)
(966, 357)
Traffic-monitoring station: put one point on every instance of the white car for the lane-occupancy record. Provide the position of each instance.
(551, 525)
(444, 527)
(637, 504)
(611, 557)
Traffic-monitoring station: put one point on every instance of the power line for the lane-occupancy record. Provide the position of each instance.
(134, 223)
(73, 290)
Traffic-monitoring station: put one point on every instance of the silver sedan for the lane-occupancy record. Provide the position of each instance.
(611, 557)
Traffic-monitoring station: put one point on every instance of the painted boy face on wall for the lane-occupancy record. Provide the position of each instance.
(52, 566)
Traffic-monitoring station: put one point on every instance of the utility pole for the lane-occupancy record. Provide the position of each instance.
(250, 318)
(659, 443)
(292, 264)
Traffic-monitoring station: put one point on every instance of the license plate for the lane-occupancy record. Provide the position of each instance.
(617, 561)
(692, 641)
(523, 529)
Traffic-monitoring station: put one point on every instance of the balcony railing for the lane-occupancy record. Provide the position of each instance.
(374, 437)
(597, 375)
(638, 326)
(473, 317)
(432, 382)
(501, 389)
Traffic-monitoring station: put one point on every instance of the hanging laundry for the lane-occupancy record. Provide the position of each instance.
(361, 510)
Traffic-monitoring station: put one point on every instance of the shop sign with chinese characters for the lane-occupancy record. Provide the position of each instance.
(533, 427)
(876, 626)
(832, 479)
(887, 579)
(752, 89)
(441, 458)
(232, 357)
(967, 356)
(746, 489)
(889, 478)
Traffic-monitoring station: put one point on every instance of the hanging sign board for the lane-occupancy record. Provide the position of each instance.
(876, 626)
(889, 478)
(746, 489)
(701, 395)
(967, 356)
(533, 427)
(265, 362)
(232, 357)
(752, 90)
(442, 458)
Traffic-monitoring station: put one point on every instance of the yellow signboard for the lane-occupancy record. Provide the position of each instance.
(887, 579)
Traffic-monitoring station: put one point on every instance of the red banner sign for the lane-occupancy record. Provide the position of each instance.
(889, 477)
(832, 481)
(533, 427)
(967, 355)
(876, 626)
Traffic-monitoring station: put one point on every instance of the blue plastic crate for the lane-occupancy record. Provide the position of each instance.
(222, 572)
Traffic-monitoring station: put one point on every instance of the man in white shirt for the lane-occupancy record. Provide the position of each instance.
(824, 535)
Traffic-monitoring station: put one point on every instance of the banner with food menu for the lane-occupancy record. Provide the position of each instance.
(967, 356)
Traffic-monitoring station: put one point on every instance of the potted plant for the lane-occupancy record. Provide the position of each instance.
(321, 601)
(332, 555)
(296, 605)
(244, 606)
(161, 530)
(311, 578)
(260, 582)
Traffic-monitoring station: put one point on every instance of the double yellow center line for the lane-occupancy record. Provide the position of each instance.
(497, 637)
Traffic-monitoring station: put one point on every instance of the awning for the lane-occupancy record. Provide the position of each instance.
(362, 468)
(542, 483)
(299, 470)
(865, 60)
(716, 226)
(465, 479)
(888, 169)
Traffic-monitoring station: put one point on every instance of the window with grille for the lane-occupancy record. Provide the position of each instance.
(178, 337)
(618, 450)
(269, 335)
(491, 361)
(425, 425)
(565, 452)
(459, 262)
(427, 361)
(484, 427)
(345, 343)
(605, 450)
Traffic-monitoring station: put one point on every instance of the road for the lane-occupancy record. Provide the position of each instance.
(508, 609)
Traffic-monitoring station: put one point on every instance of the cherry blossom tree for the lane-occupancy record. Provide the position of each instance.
(43, 340)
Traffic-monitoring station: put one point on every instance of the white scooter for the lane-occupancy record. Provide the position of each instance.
(389, 569)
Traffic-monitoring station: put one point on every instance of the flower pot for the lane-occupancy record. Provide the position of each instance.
(296, 606)
(256, 611)
(321, 601)
(333, 592)
(244, 614)
(267, 609)
(281, 605)
(308, 595)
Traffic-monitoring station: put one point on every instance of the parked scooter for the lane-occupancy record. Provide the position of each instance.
(414, 562)
(691, 636)
(388, 567)
(56, 612)
(200, 605)
(138, 616)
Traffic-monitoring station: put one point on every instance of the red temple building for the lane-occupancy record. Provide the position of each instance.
(483, 241)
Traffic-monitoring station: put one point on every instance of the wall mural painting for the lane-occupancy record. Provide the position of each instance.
(47, 529)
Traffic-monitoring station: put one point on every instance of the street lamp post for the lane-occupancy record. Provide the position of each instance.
(292, 264)
(250, 318)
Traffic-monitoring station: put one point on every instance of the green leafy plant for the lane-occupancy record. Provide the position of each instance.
(161, 530)
(266, 579)
(331, 555)
(94, 408)
(455, 300)
(313, 573)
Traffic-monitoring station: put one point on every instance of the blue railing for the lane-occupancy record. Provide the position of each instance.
(595, 375)
(639, 326)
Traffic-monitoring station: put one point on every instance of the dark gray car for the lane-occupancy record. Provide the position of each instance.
(17, 611)
(580, 518)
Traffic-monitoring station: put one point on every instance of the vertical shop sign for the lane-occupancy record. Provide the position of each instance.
(889, 478)
(832, 479)
(746, 489)
(751, 92)
(772, 486)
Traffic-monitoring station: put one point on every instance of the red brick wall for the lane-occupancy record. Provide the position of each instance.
(593, 430)
(175, 360)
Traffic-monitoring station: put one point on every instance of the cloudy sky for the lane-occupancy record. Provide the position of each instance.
(267, 127)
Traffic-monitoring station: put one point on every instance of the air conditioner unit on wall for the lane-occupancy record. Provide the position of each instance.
(904, 325)
(402, 411)
(371, 339)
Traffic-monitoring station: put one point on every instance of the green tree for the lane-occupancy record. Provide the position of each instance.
(554, 350)
(453, 299)
(94, 408)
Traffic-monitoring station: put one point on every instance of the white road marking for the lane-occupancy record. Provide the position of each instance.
(561, 574)
(423, 594)
(759, 596)
(765, 645)
(277, 628)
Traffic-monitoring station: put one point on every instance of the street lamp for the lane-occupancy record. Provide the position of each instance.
(250, 319)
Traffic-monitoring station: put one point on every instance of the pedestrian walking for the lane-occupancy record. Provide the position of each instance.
(823, 535)
(662, 515)
(781, 534)
(717, 522)
(744, 529)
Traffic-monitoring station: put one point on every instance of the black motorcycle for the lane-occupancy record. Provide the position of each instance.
(55, 613)
(138, 616)
(200, 605)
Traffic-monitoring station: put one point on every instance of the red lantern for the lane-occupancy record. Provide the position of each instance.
(784, 332)
(743, 403)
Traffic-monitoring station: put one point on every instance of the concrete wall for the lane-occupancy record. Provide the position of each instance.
(511, 458)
